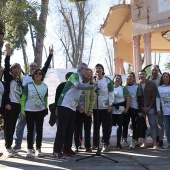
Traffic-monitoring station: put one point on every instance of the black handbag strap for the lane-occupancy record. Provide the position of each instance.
(38, 95)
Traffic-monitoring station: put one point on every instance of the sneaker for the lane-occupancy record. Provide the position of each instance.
(140, 141)
(94, 147)
(69, 153)
(124, 143)
(9, 153)
(167, 146)
(77, 149)
(16, 148)
(33, 151)
(160, 145)
(132, 144)
(38, 153)
(58, 155)
(88, 149)
(119, 146)
(155, 145)
(105, 148)
(144, 145)
(81, 147)
(29, 153)
(136, 143)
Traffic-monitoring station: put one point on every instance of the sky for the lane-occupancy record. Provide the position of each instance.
(100, 11)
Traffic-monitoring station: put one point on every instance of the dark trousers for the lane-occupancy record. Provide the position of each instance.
(34, 119)
(10, 119)
(82, 118)
(65, 129)
(132, 113)
(104, 118)
(117, 119)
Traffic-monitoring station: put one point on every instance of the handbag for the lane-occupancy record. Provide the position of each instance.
(45, 111)
(52, 108)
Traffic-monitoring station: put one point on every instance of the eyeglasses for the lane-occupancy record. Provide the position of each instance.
(37, 73)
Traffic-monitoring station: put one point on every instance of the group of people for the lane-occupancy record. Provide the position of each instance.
(85, 96)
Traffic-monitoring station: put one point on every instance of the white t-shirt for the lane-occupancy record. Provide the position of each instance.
(33, 102)
(119, 96)
(134, 92)
(104, 96)
(164, 95)
(15, 92)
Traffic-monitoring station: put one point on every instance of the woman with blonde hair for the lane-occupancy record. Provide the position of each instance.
(84, 112)
(134, 111)
(13, 91)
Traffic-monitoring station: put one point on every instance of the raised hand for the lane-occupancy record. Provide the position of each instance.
(8, 49)
(51, 49)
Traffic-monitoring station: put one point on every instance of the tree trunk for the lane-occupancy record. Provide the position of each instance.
(25, 58)
(40, 38)
(74, 25)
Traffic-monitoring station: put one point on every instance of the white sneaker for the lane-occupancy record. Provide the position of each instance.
(9, 153)
(132, 145)
(166, 146)
(105, 148)
(124, 143)
(38, 153)
(29, 153)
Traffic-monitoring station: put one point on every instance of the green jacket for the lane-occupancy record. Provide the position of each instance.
(90, 100)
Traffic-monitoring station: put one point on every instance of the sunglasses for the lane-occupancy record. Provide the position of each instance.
(37, 73)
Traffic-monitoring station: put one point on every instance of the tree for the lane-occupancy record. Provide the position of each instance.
(15, 17)
(72, 29)
(39, 36)
(167, 65)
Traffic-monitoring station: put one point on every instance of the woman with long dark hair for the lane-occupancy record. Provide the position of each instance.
(120, 106)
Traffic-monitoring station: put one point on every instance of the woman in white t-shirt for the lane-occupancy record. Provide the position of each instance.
(134, 112)
(103, 108)
(120, 107)
(12, 96)
(33, 106)
(163, 99)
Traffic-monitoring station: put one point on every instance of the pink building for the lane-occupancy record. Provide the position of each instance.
(139, 26)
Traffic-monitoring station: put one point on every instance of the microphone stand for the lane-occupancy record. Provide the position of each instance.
(98, 152)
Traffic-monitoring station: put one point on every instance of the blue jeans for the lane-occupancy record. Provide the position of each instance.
(20, 131)
(167, 126)
(153, 125)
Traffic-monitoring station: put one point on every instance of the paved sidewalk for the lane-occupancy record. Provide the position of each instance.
(128, 159)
